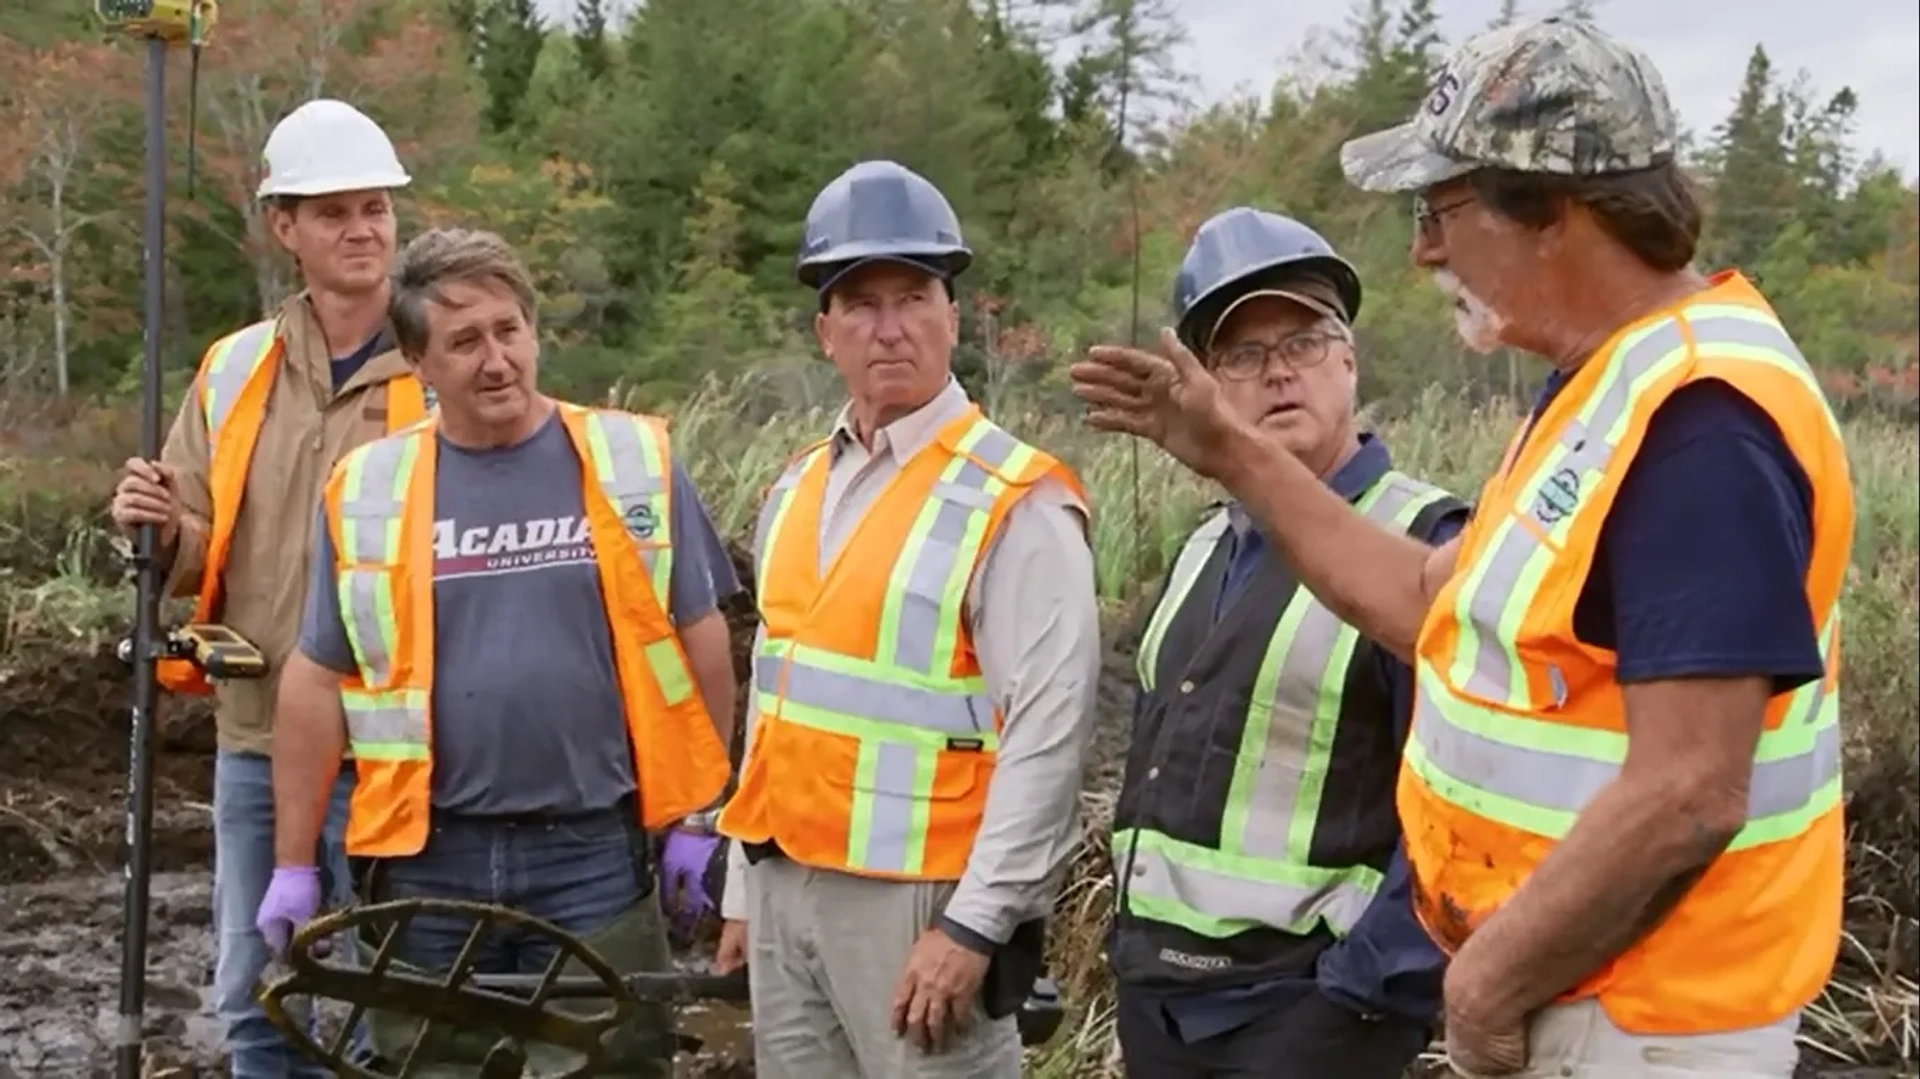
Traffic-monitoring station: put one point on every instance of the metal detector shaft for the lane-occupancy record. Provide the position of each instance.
(666, 986)
(127, 1041)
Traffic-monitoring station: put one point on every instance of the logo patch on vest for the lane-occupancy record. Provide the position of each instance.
(1557, 498)
(640, 520)
(1194, 962)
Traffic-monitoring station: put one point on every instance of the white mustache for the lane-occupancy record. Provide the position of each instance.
(1479, 325)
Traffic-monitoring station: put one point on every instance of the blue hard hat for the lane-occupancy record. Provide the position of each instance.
(1244, 247)
(880, 210)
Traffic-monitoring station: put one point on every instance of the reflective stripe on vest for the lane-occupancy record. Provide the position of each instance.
(904, 704)
(632, 472)
(233, 362)
(1262, 874)
(1536, 775)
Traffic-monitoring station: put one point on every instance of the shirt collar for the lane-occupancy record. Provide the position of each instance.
(1351, 480)
(909, 434)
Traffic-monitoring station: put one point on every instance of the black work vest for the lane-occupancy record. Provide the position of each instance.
(1257, 812)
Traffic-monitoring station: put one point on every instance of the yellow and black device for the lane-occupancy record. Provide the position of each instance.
(219, 651)
(169, 20)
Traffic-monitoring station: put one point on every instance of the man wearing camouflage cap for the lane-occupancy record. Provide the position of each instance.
(1621, 795)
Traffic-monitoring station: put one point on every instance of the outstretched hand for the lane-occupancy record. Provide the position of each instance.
(1168, 398)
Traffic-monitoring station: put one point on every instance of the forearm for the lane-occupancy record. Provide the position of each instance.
(709, 654)
(309, 737)
(1627, 861)
(1374, 579)
(186, 559)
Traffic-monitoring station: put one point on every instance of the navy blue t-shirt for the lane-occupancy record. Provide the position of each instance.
(1702, 563)
(345, 367)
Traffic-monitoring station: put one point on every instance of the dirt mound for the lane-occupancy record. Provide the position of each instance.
(64, 732)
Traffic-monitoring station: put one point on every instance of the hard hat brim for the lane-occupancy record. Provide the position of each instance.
(831, 264)
(374, 181)
(1334, 270)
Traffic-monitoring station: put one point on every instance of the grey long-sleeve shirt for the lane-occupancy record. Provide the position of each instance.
(1036, 630)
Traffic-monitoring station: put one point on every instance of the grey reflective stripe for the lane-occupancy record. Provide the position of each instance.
(805, 685)
(779, 497)
(1497, 590)
(1303, 684)
(374, 725)
(1261, 873)
(371, 504)
(632, 472)
(1564, 783)
(1186, 569)
(235, 360)
(1213, 902)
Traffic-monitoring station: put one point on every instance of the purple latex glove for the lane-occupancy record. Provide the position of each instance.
(292, 900)
(683, 870)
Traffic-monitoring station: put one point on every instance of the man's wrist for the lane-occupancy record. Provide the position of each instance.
(1245, 458)
(967, 938)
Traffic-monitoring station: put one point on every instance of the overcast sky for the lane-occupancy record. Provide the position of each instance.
(1871, 45)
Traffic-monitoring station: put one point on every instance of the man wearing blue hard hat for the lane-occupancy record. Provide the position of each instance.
(922, 683)
(1263, 912)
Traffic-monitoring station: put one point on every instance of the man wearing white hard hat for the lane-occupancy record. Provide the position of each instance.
(273, 406)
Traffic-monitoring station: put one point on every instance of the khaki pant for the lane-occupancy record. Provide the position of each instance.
(635, 943)
(825, 954)
(1578, 1041)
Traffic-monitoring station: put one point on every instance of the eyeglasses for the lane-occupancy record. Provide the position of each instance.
(1426, 219)
(1298, 352)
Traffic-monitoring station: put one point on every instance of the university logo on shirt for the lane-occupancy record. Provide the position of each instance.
(509, 547)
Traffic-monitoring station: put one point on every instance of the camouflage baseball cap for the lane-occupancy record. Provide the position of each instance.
(1552, 95)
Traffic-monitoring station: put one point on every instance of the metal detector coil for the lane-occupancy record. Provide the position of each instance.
(515, 1007)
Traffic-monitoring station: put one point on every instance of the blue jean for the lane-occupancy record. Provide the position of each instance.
(242, 866)
(581, 875)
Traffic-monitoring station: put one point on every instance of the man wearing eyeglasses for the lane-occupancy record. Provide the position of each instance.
(1264, 912)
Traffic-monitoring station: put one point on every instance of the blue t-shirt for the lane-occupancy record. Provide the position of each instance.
(345, 367)
(1700, 571)
(527, 711)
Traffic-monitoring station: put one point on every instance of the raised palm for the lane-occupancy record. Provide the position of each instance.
(1168, 398)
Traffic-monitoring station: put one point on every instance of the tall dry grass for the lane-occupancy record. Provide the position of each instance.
(57, 584)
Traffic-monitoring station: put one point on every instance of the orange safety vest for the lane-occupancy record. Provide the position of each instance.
(1518, 724)
(235, 380)
(876, 737)
(380, 511)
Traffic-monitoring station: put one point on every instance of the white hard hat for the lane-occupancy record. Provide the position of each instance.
(326, 146)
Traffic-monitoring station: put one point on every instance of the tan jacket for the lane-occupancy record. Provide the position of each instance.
(308, 427)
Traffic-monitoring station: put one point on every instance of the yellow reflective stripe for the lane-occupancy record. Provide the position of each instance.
(386, 726)
(810, 679)
(1186, 570)
(1537, 775)
(233, 364)
(1501, 584)
(1261, 873)
(1296, 705)
(630, 466)
(670, 671)
(920, 619)
(373, 490)
(892, 802)
(774, 512)
(1240, 892)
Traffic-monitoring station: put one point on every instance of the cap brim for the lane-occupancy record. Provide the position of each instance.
(1312, 303)
(1397, 159)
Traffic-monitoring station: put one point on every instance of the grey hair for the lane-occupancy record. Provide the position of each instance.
(441, 256)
